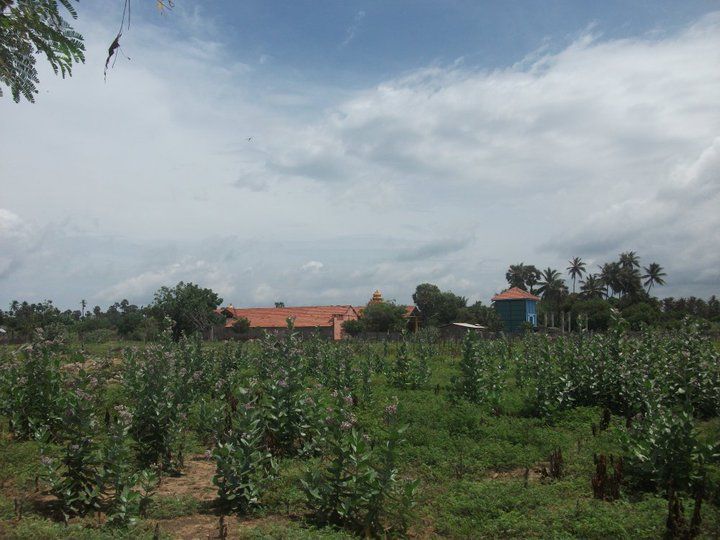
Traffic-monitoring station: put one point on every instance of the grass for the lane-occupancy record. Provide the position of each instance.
(471, 464)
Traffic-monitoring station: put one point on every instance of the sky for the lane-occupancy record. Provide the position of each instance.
(313, 151)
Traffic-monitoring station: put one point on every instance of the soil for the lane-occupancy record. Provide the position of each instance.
(203, 527)
(195, 480)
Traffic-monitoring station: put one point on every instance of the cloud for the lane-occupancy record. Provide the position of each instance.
(435, 248)
(444, 174)
(143, 285)
(312, 266)
(11, 226)
(352, 30)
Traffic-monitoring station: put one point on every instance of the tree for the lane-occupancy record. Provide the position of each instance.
(640, 314)
(190, 307)
(241, 325)
(437, 307)
(352, 327)
(629, 259)
(32, 27)
(653, 276)
(576, 270)
(592, 287)
(523, 276)
(482, 315)
(595, 313)
(383, 317)
(609, 277)
(552, 286)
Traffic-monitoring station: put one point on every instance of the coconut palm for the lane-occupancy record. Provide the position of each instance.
(609, 273)
(515, 275)
(592, 287)
(653, 276)
(629, 281)
(523, 276)
(576, 269)
(629, 259)
(551, 284)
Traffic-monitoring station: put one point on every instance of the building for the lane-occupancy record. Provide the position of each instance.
(458, 330)
(323, 320)
(516, 307)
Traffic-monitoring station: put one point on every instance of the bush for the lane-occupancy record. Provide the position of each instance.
(352, 327)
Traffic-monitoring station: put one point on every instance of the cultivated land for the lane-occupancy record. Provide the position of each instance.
(482, 421)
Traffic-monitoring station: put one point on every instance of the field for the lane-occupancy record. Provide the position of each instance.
(308, 439)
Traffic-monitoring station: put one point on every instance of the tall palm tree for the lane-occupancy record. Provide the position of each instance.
(532, 277)
(653, 276)
(515, 275)
(576, 269)
(552, 285)
(592, 287)
(629, 259)
(628, 281)
(609, 273)
(522, 276)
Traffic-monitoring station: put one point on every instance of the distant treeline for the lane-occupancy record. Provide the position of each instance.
(623, 285)
(185, 308)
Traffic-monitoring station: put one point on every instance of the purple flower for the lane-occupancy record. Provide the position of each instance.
(348, 400)
(345, 426)
(249, 406)
(391, 410)
(282, 383)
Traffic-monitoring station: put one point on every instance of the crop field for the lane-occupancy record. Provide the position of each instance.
(602, 436)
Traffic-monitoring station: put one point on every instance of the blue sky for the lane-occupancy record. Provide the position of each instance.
(391, 143)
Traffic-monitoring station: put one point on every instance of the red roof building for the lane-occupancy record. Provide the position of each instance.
(516, 308)
(328, 318)
(515, 293)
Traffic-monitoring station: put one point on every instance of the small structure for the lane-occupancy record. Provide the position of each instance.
(457, 330)
(515, 308)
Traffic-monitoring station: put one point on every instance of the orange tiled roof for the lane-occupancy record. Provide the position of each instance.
(304, 316)
(515, 293)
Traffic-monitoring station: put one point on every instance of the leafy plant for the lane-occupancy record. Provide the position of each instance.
(243, 466)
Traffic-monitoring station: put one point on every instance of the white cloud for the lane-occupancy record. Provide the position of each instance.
(312, 266)
(352, 30)
(142, 286)
(444, 174)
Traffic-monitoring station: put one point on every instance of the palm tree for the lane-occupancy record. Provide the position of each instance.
(552, 285)
(609, 273)
(629, 259)
(653, 276)
(576, 269)
(515, 275)
(532, 277)
(628, 281)
(522, 276)
(592, 287)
